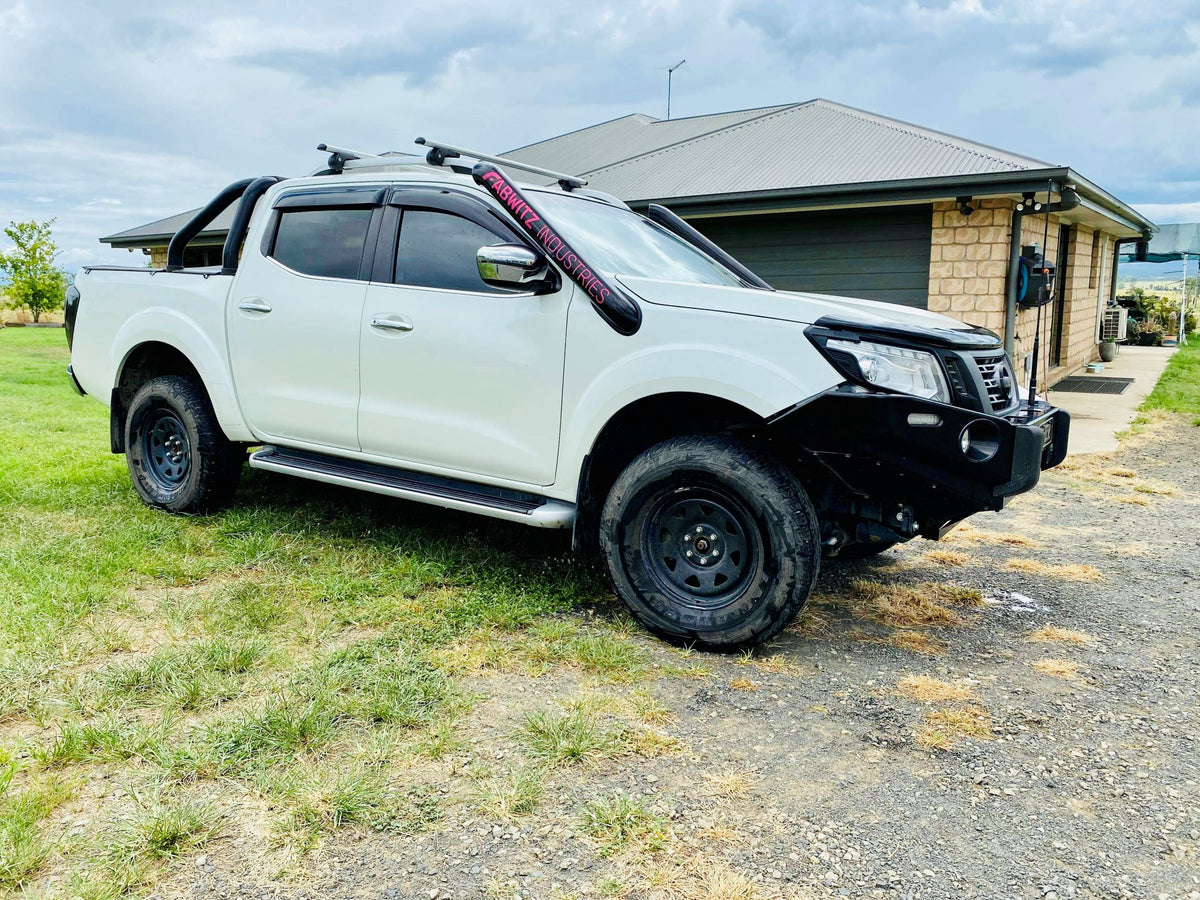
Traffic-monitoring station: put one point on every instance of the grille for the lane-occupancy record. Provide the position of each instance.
(957, 383)
(997, 379)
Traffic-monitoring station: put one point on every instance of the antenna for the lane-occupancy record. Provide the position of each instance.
(670, 72)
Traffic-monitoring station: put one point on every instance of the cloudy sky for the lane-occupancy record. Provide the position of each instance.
(112, 115)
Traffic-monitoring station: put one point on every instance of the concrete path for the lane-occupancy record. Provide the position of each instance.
(1096, 418)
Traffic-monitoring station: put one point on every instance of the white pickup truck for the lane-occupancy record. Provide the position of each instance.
(436, 332)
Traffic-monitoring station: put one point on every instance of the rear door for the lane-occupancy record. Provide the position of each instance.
(456, 374)
(294, 316)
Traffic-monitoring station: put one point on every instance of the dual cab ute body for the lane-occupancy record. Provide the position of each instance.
(545, 355)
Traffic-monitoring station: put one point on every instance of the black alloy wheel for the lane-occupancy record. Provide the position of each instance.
(178, 457)
(710, 542)
(166, 450)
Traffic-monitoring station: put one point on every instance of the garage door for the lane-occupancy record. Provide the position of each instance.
(878, 253)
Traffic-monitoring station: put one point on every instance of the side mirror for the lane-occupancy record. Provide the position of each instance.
(515, 266)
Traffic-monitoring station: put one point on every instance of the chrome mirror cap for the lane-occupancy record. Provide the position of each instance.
(511, 266)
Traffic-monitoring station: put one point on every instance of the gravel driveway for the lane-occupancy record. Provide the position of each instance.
(1040, 743)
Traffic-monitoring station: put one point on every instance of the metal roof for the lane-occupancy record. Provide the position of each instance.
(776, 148)
(601, 145)
(161, 231)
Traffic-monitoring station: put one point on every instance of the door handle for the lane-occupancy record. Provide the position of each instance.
(258, 306)
(391, 324)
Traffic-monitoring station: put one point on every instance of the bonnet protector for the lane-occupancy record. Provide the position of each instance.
(615, 305)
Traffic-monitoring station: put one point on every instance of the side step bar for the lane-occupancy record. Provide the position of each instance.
(500, 503)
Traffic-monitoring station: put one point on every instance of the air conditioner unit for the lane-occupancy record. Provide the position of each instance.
(1114, 324)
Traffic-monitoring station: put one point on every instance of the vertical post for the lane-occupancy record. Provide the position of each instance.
(1183, 301)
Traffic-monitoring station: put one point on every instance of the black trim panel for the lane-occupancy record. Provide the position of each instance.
(319, 198)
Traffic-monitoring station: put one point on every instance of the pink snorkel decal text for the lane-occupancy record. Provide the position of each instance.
(618, 309)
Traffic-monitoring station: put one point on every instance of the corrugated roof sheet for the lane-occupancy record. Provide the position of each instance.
(609, 142)
(219, 227)
(800, 145)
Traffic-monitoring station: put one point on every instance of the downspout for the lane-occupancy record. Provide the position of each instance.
(1068, 200)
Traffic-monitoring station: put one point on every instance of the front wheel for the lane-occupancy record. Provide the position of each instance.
(710, 542)
(178, 457)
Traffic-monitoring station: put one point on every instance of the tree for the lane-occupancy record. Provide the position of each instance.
(35, 283)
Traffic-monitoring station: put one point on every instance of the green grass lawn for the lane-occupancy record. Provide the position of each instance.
(294, 649)
(1178, 390)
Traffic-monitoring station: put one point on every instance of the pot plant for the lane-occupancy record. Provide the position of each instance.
(1108, 350)
(1149, 333)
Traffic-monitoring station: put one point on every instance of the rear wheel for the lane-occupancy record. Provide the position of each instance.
(710, 542)
(178, 457)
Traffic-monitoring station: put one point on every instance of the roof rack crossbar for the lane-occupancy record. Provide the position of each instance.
(339, 156)
(439, 153)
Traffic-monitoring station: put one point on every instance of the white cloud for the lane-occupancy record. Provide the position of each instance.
(1163, 213)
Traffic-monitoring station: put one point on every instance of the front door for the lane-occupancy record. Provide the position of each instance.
(456, 374)
(294, 318)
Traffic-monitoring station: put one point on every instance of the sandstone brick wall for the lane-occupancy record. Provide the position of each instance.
(158, 257)
(968, 269)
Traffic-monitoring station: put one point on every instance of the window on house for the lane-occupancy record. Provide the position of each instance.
(324, 242)
(437, 249)
(198, 257)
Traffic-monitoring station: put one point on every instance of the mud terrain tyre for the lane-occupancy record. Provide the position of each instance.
(710, 543)
(178, 457)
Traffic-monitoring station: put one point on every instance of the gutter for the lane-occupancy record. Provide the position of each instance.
(909, 189)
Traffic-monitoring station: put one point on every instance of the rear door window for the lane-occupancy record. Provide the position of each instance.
(323, 242)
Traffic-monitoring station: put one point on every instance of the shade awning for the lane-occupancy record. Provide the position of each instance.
(1170, 244)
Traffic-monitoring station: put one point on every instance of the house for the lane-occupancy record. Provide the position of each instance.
(817, 196)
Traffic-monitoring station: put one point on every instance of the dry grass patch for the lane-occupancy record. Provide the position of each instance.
(925, 689)
(945, 729)
(1096, 469)
(916, 642)
(722, 833)
(1059, 668)
(1133, 499)
(733, 783)
(1144, 486)
(811, 622)
(965, 535)
(1071, 572)
(901, 606)
(947, 558)
(651, 743)
(771, 665)
(1052, 634)
(697, 878)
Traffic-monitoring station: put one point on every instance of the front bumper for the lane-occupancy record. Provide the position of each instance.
(903, 449)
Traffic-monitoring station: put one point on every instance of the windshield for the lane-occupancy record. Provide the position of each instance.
(620, 242)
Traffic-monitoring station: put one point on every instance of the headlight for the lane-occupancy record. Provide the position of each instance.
(895, 368)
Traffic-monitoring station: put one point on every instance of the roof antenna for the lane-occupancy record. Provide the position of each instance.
(670, 71)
